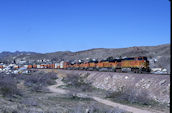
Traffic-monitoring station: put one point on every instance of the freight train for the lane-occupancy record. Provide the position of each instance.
(133, 64)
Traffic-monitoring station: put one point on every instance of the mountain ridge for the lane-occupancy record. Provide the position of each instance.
(81, 50)
(159, 56)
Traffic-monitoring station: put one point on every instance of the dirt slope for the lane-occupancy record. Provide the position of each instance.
(54, 89)
(155, 87)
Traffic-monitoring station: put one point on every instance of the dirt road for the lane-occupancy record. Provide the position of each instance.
(55, 89)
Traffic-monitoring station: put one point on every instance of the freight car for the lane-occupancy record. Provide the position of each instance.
(1, 66)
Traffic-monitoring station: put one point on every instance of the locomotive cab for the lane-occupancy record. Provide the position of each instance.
(145, 64)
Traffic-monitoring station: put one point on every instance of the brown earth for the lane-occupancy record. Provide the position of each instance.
(157, 87)
(55, 89)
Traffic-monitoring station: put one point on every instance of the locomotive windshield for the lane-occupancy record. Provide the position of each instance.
(142, 58)
(129, 59)
(145, 58)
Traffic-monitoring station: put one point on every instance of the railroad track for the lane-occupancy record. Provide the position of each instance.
(105, 71)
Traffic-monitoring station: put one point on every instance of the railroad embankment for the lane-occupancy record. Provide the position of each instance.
(152, 86)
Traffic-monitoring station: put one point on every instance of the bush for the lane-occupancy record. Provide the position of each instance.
(97, 108)
(77, 82)
(38, 81)
(131, 95)
(8, 86)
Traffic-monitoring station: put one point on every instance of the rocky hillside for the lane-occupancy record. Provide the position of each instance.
(159, 56)
(155, 87)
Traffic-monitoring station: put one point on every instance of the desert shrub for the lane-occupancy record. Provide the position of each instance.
(38, 81)
(76, 81)
(72, 80)
(97, 108)
(8, 86)
(52, 75)
(131, 95)
(29, 102)
(73, 96)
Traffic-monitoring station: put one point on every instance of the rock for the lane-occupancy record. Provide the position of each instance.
(147, 86)
(137, 84)
(87, 111)
(162, 82)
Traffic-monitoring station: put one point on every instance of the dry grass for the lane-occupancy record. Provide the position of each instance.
(77, 82)
(8, 86)
(130, 95)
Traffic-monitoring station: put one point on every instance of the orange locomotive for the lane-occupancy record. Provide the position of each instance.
(105, 65)
(134, 64)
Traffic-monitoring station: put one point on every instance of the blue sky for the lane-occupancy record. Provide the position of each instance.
(73, 25)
